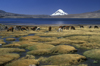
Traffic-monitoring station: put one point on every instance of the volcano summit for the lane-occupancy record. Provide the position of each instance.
(59, 12)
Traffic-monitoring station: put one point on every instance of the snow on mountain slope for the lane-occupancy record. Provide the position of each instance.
(59, 12)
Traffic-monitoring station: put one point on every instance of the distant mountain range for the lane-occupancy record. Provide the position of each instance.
(95, 14)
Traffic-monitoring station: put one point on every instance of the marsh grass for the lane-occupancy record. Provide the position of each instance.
(23, 46)
(23, 62)
(67, 65)
(11, 45)
(37, 39)
(81, 37)
(40, 46)
(62, 49)
(10, 39)
(7, 57)
(39, 52)
(69, 59)
(94, 54)
(9, 50)
(29, 38)
(2, 42)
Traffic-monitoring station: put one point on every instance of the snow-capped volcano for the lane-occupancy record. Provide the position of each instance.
(59, 12)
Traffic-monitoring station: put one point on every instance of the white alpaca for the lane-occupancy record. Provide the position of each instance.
(60, 30)
(38, 28)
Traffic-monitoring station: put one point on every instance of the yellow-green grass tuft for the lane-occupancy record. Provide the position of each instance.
(23, 62)
(9, 50)
(66, 65)
(69, 59)
(28, 38)
(94, 53)
(88, 46)
(62, 49)
(40, 46)
(39, 52)
(2, 42)
(28, 57)
(10, 39)
(6, 57)
(12, 45)
(22, 44)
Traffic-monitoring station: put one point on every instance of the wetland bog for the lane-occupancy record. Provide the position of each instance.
(79, 47)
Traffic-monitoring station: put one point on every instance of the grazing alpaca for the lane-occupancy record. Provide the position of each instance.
(10, 29)
(27, 27)
(38, 28)
(23, 28)
(81, 26)
(96, 27)
(50, 28)
(90, 26)
(67, 27)
(60, 28)
(72, 27)
(34, 28)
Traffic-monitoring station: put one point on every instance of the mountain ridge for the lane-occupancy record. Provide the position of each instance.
(94, 14)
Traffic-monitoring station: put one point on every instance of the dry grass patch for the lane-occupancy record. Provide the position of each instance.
(65, 41)
(39, 52)
(94, 53)
(62, 49)
(87, 38)
(29, 38)
(14, 34)
(2, 42)
(53, 34)
(6, 57)
(9, 50)
(22, 44)
(23, 62)
(10, 39)
(37, 38)
(66, 65)
(69, 59)
(40, 46)
(46, 39)
(28, 57)
(68, 41)
(53, 43)
(88, 46)
(11, 45)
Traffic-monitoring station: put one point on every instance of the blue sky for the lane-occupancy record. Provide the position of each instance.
(47, 7)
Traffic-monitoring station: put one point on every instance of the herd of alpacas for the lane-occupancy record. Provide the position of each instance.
(35, 28)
